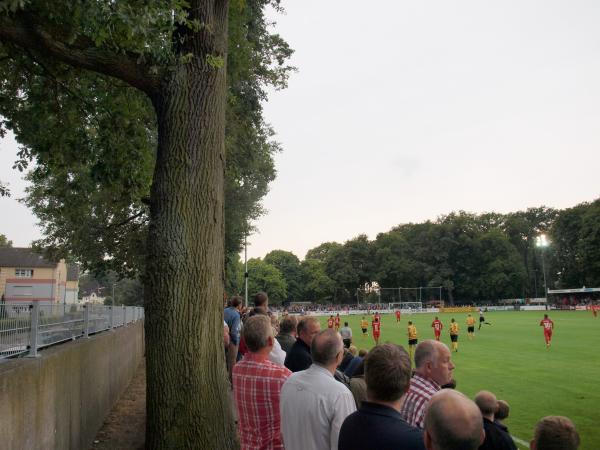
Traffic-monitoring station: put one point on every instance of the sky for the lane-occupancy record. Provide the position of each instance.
(404, 111)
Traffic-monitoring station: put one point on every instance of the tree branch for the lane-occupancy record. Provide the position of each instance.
(126, 221)
(23, 32)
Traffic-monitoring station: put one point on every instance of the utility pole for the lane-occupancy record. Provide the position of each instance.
(246, 270)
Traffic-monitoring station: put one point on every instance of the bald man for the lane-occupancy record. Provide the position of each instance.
(495, 437)
(452, 422)
(433, 370)
(313, 404)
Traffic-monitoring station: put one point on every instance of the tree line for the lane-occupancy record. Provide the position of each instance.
(474, 257)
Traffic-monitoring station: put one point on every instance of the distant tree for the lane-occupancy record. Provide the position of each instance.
(262, 276)
(317, 286)
(575, 242)
(323, 251)
(4, 242)
(289, 265)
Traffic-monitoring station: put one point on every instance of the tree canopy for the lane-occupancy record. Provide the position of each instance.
(473, 257)
(139, 142)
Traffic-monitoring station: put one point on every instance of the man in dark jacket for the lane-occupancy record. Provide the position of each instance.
(298, 358)
(495, 437)
(377, 425)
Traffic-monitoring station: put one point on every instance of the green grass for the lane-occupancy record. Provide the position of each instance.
(509, 358)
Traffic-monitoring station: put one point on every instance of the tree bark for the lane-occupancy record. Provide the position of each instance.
(188, 397)
(187, 391)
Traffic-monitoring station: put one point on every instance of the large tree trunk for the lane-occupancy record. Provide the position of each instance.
(188, 404)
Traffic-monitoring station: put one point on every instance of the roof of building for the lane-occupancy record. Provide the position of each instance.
(22, 257)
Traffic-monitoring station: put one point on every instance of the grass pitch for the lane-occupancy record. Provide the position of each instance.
(510, 359)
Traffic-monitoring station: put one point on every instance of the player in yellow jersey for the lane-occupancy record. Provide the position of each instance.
(412, 339)
(364, 326)
(454, 334)
(470, 326)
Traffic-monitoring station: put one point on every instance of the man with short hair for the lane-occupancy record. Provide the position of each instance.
(548, 325)
(412, 339)
(452, 422)
(454, 334)
(313, 404)
(364, 327)
(377, 425)
(330, 322)
(470, 326)
(495, 437)
(376, 325)
(337, 322)
(287, 332)
(437, 326)
(433, 369)
(261, 300)
(257, 386)
(555, 433)
(299, 357)
(233, 320)
(346, 333)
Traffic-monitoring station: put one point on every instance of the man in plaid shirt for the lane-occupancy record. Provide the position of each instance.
(433, 369)
(257, 386)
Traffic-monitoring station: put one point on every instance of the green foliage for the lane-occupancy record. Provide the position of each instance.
(129, 292)
(317, 286)
(94, 139)
(289, 265)
(473, 257)
(4, 242)
(265, 277)
(575, 237)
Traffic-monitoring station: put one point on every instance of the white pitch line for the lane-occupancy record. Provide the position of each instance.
(520, 441)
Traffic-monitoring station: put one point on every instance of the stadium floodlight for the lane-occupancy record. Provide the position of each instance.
(542, 242)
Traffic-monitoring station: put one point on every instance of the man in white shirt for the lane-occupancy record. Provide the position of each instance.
(313, 404)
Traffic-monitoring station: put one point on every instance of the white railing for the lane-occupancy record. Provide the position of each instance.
(27, 327)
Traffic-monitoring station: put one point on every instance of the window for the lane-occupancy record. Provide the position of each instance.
(24, 273)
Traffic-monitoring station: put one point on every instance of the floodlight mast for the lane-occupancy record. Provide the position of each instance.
(542, 242)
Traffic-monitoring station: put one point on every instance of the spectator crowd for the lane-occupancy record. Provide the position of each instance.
(297, 387)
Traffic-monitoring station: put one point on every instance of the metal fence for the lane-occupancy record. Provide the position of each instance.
(26, 328)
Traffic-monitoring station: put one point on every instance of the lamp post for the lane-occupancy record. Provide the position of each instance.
(246, 270)
(542, 242)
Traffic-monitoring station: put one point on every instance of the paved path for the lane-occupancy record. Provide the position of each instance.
(125, 426)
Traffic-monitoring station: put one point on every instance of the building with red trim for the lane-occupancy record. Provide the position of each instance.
(26, 276)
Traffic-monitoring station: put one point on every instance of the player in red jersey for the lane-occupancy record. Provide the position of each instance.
(330, 322)
(397, 315)
(437, 328)
(548, 327)
(376, 325)
(337, 322)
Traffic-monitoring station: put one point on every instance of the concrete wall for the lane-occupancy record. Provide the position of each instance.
(60, 400)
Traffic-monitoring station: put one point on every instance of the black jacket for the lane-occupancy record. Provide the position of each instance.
(298, 358)
(378, 427)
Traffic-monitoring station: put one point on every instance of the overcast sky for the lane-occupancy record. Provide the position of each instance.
(404, 111)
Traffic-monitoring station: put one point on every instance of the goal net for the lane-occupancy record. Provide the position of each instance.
(410, 306)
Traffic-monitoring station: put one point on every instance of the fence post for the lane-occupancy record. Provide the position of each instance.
(86, 320)
(34, 311)
(124, 315)
(112, 317)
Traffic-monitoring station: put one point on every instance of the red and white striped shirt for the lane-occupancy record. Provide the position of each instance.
(415, 404)
(257, 386)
